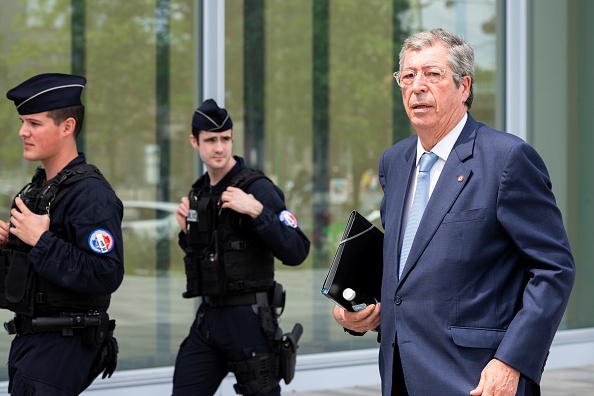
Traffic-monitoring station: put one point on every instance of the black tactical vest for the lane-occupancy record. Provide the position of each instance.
(224, 256)
(21, 289)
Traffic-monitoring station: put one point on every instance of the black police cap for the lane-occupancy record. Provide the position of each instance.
(211, 118)
(46, 92)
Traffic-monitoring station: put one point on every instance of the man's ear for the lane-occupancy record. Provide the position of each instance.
(194, 142)
(69, 125)
(466, 82)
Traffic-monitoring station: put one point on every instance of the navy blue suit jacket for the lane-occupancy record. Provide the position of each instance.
(490, 270)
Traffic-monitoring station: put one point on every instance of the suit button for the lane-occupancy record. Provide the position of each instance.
(397, 300)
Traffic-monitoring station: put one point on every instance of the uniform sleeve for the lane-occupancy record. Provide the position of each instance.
(83, 250)
(527, 210)
(288, 244)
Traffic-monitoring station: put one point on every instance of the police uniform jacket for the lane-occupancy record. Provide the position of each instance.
(64, 254)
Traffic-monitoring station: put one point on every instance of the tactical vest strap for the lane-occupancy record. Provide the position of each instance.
(65, 180)
(242, 179)
(239, 286)
(241, 299)
(247, 176)
(49, 297)
(237, 245)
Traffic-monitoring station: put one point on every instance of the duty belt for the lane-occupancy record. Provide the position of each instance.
(66, 322)
(261, 298)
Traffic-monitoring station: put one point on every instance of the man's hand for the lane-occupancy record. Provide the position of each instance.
(26, 225)
(4, 231)
(236, 199)
(181, 213)
(497, 379)
(361, 321)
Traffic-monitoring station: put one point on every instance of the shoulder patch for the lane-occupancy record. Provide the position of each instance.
(288, 218)
(101, 241)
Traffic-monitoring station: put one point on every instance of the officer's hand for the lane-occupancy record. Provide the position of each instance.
(26, 225)
(4, 230)
(182, 211)
(236, 199)
(361, 321)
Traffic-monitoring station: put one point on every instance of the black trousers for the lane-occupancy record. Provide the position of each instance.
(225, 334)
(398, 384)
(51, 364)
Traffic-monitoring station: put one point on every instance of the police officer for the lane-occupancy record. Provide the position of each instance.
(234, 222)
(62, 253)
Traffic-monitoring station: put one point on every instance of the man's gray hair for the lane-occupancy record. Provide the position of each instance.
(460, 54)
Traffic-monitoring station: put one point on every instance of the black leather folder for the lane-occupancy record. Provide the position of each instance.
(358, 262)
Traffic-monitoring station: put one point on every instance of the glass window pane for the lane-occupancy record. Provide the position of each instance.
(140, 63)
(560, 128)
(313, 83)
(314, 105)
(140, 55)
(34, 38)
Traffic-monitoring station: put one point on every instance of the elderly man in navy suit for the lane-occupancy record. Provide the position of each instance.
(475, 283)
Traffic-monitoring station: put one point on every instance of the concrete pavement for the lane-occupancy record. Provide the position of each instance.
(562, 382)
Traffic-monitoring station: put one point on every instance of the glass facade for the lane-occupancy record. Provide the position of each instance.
(560, 122)
(309, 87)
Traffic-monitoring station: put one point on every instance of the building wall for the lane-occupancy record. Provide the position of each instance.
(310, 90)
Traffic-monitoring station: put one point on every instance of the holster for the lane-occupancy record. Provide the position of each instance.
(285, 345)
(108, 358)
(258, 373)
(94, 336)
(288, 353)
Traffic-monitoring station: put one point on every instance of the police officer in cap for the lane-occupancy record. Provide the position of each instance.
(234, 223)
(61, 251)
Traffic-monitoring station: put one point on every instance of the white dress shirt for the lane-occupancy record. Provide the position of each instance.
(442, 149)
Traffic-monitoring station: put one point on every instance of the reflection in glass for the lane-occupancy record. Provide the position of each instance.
(314, 105)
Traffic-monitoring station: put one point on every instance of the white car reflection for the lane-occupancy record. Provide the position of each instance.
(141, 218)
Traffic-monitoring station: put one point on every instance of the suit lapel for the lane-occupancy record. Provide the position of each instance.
(454, 176)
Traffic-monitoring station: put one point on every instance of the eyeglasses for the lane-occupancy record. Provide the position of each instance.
(432, 75)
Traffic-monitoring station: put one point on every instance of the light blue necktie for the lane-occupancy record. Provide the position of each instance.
(418, 207)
